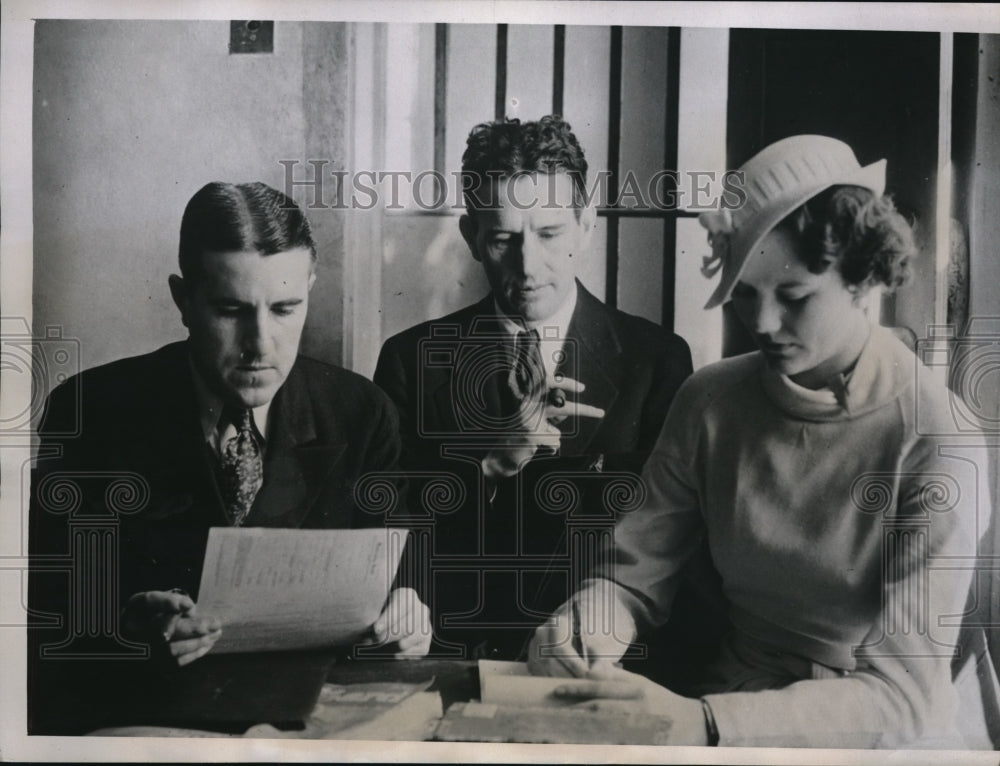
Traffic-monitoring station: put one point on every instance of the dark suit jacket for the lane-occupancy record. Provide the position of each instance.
(497, 568)
(123, 460)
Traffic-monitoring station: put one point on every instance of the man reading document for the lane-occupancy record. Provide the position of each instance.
(229, 428)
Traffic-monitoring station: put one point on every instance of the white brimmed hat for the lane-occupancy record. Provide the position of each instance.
(776, 181)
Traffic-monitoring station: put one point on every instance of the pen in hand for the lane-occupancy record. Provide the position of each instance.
(578, 644)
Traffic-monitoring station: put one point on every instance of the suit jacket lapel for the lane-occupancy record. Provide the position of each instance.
(185, 460)
(463, 396)
(296, 464)
(591, 350)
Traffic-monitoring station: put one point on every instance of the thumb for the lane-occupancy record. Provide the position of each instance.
(380, 628)
(604, 669)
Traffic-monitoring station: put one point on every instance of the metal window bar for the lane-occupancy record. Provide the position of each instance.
(440, 95)
(558, 67)
(614, 164)
(500, 104)
(671, 128)
(611, 212)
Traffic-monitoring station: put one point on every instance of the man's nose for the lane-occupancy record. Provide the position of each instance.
(258, 338)
(531, 254)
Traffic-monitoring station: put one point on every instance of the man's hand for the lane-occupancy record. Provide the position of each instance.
(171, 617)
(613, 690)
(589, 632)
(536, 429)
(406, 622)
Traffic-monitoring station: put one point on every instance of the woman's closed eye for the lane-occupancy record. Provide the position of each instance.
(794, 299)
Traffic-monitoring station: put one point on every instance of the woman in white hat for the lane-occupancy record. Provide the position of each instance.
(830, 515)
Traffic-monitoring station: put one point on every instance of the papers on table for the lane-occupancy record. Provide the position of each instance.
(277, 589)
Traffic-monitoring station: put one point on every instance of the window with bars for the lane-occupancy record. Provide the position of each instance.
(618, 87)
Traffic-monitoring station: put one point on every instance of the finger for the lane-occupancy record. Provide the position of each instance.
(410, 642)
(416, 629)
(548, 441)
(571, 409)
(566, 384)
(414, 646)
(581, 410)
(556, 656)
(399, 614)
(402, 622)
(603, 669)
(189, 627)
(607, 706)
(617, 690)
(189, 658)
(179, 649)
(159, 601)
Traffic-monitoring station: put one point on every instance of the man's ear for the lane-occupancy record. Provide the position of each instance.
(470, 230)
(588, 222)
(312, 280)
(179, 292)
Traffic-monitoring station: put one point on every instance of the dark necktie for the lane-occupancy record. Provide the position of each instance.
(241, 470)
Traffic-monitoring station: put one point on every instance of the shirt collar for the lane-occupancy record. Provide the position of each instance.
(553, 328)
(210, 410)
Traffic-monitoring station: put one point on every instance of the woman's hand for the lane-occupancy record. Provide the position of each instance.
(406, 622)
(611, 689)
(171, 616)
(594, 627)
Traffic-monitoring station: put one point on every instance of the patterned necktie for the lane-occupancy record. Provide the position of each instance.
(241, 470)
(526, 379)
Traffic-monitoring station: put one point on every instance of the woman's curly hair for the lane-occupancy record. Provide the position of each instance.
(862, 233)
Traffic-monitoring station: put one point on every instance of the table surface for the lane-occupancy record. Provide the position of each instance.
(454, 680)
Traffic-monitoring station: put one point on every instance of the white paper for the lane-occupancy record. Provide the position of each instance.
(277, 589)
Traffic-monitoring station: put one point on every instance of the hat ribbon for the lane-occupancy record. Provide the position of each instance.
(720, 226)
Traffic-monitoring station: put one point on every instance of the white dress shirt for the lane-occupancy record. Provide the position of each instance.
(210, 407)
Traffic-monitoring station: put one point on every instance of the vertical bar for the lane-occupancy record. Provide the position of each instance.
(500, 105)
(440, 94)
(670, 162)
(942, 222)
(614, 153)
(558, 67)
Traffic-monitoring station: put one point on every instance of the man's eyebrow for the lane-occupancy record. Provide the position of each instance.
(224, 300)
(288, 302)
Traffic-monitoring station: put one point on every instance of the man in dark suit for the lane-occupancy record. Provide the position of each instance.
(231, 427)
(537, 406)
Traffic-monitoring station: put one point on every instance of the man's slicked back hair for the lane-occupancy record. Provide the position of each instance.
(223, 217)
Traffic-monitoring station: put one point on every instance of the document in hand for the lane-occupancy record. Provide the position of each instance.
(280, 589)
